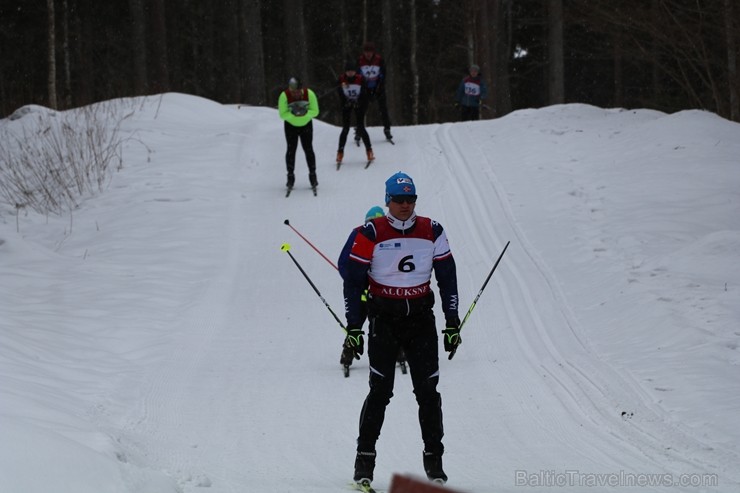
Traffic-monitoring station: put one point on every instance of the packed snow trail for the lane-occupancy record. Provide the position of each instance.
(237, 384)
(562, 387)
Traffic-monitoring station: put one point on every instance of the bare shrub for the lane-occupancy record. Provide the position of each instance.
(51, 161)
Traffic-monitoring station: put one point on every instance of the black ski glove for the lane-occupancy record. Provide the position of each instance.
(354, 341)
(451, 334)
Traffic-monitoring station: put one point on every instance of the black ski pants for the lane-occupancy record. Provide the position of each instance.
(379, 98)
(383, 108)
(305, 134)
(360, 130)
(469, 113)
(417, 336)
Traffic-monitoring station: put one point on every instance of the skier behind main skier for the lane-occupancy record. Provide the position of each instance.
(348, 352)
(372, 68)
(394, 257)
(470, 94)
(353, 99)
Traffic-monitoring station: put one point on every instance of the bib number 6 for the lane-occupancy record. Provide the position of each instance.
(406, 264)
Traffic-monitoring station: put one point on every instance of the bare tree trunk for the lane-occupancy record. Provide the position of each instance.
(500, 93)
(732, 48)
(51, 82)
(347, 49)
(364, 21)
(296, 49)
(138, 44)
(253, 53)
(228, 22)
(654, 52)
(392, 86)
(67, 57)
(413, 64)
(618, 70)
(555, 63)
(483, 57)
(160, 73)
(470, 10)
(82, 49)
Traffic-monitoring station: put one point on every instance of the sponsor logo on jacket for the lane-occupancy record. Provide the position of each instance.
(400, 292)
(389, 245)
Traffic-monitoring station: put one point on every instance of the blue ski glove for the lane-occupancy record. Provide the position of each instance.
(451, 334)
(354, 341)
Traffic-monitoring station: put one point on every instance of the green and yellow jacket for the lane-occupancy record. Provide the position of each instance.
(298, 111)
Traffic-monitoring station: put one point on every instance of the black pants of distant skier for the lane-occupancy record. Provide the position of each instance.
(379, 98)
(469, 113)
(360, 130)
(417, 336)
(305, 135)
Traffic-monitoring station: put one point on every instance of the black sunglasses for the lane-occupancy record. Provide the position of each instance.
(404, 199)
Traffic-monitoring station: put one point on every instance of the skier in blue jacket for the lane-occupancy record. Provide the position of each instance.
(348, 354)
(470, 93)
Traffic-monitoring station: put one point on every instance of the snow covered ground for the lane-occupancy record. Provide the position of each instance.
(158, 340)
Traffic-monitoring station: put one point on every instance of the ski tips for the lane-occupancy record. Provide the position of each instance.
(285, 247)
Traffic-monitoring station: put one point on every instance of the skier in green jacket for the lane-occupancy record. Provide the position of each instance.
(298, 106)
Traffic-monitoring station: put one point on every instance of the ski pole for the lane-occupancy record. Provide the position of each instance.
(485, 283)
(286, 249)
(310, 244)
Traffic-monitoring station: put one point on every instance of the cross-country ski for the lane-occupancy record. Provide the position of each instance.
(289, 191)
(364, 486)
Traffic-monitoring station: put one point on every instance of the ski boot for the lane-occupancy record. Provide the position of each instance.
(433, 467)
(289, 184)
(364, 466)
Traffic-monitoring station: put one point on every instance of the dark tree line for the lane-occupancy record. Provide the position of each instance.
(662, 54)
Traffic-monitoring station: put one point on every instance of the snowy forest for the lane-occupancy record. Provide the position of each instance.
(666, 55)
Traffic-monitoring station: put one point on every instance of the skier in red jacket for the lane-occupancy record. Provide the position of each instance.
(353, 98)
(372, 68)
(394, 257)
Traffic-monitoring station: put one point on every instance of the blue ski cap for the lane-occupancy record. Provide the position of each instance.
(399, 184)
(374, 212)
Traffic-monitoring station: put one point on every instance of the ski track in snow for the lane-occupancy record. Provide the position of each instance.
(530, 293)
(576, 414)
(200, 379)
(165, 428)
